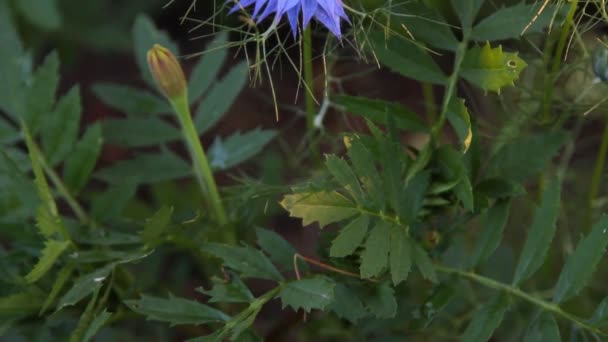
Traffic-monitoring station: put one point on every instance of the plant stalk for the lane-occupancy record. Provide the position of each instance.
(309, 92)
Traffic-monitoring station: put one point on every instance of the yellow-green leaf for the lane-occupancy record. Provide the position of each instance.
(51, 252)
(322, 207)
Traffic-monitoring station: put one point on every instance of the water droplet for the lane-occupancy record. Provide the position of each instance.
(99, 279)
(604, 231)
(74, 255)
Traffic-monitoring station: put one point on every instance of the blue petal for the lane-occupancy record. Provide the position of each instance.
(308, 10)
(330, 22)
(292, 15)
(271, 7)
(241, 4)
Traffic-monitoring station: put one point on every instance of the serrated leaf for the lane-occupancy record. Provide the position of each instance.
(175, 310)
(42, 13)
(377, 111)
(491, 69)
(156, 225)
(113, 200)
(400, 259)
(405, 58)
(454, 168)
(139, 131)
(12, 57)
(145, 35)
(381, 302)
(97, 323)
(146, 168)
(493, 224)
(249, 262)
(342, 172)
(350, 237)
(364, 165)
(42, 186)
(238, 148)
(48, 224)
(129, 100)
(308, 294)
(81, 162)
(61, 127)
(412, 197)
(540, 234)
(220, 97)
(582, 263)
(467, 11)
(460, 119)
(510, 163)
(510, 22)
(60, 281)
(374, 258)
(22, 303)
(84, 286)
(424, 263)
(207, 68)
(486, 320)
(324, 207)
(233, 291)
(278, 249)
(51, 252)
(41, 93)
(347, 304)
(543, 328)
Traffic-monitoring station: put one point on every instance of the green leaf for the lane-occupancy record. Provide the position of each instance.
(406, 58)
(412, 197)
(156, 225)
(540, 234)
(308, 294)
(48, 224)
(42, 13)
(423, 263)
(543, 328)
(234, 291)
(22, 303)
(146, 168)
(600, 315)
(510, 22)
(97, 323)
(139, 132)
(324, 207)
(493, 224)
(509, 162)
(207, 68)
(220, 97)
(41, 93)
(426, 25)
(61, 128)
(454, 168)
(486, 320)
(377, 111)
(279, 250)
(60, 281)
(129, 100)
(110, 203)
(51, 252)
(12, 60)
(491, 68)
(81, 162)
(499, 188)
(342, 172)
(350, 237)
(381, 302)
(84, 286)
(39, 179)
(460, 119)
(582, 263)
(347, 304)
(364, 165)
(467, 11)
(249, 262)
(400, 259)
(238, 148)
(176, 310)
(145, 35)
(374, 258)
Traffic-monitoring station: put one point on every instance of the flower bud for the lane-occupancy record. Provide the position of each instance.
(167, 72)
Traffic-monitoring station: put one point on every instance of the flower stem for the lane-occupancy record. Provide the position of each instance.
(309, 91)
(200, 164)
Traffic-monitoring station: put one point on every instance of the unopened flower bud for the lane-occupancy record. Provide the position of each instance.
(167, 72)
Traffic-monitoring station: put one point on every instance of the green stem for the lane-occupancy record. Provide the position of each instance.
(65, 193)
(596, 178)
(429, 101)
(201, 167)
(557, 60)
(547, 306)
(309, 91)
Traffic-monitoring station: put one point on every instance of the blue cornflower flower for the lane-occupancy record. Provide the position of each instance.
(328, 12)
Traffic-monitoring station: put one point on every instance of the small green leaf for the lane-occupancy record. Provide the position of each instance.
(208, 67)
(467, 11)
(61, 128)
(424, 263)
(51, 252)
(374, 258)
(112, 201)
(364, 165)
(146, 168)
(381, 302)
(42, 186)
(234, 291)
(491, 68)
(41, 93)
(350, 237)
(400, 259)
(347, 304)
(84, 286)
(453, 167)
(238, 148)
(145, 35)
(308, 294)
(460, 119)
(249, 262)
(278, 249)
(60, 281)
(493, 224)
(377, 111)
(129, 100)
(543, 328)
(499, 188)
(427, 25)
(81, 162)
(12, 57)
(176, 310)
(412, 197)
(324, 207)
(220, 97)
(156, 225)
(342, 172)
(22, 303)
(540, 234)
(600, 315)
(48, 225)
(582, 263)
(139, 131)
(405, 57)
(97, 323)
(42, 13)
(486, 320)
